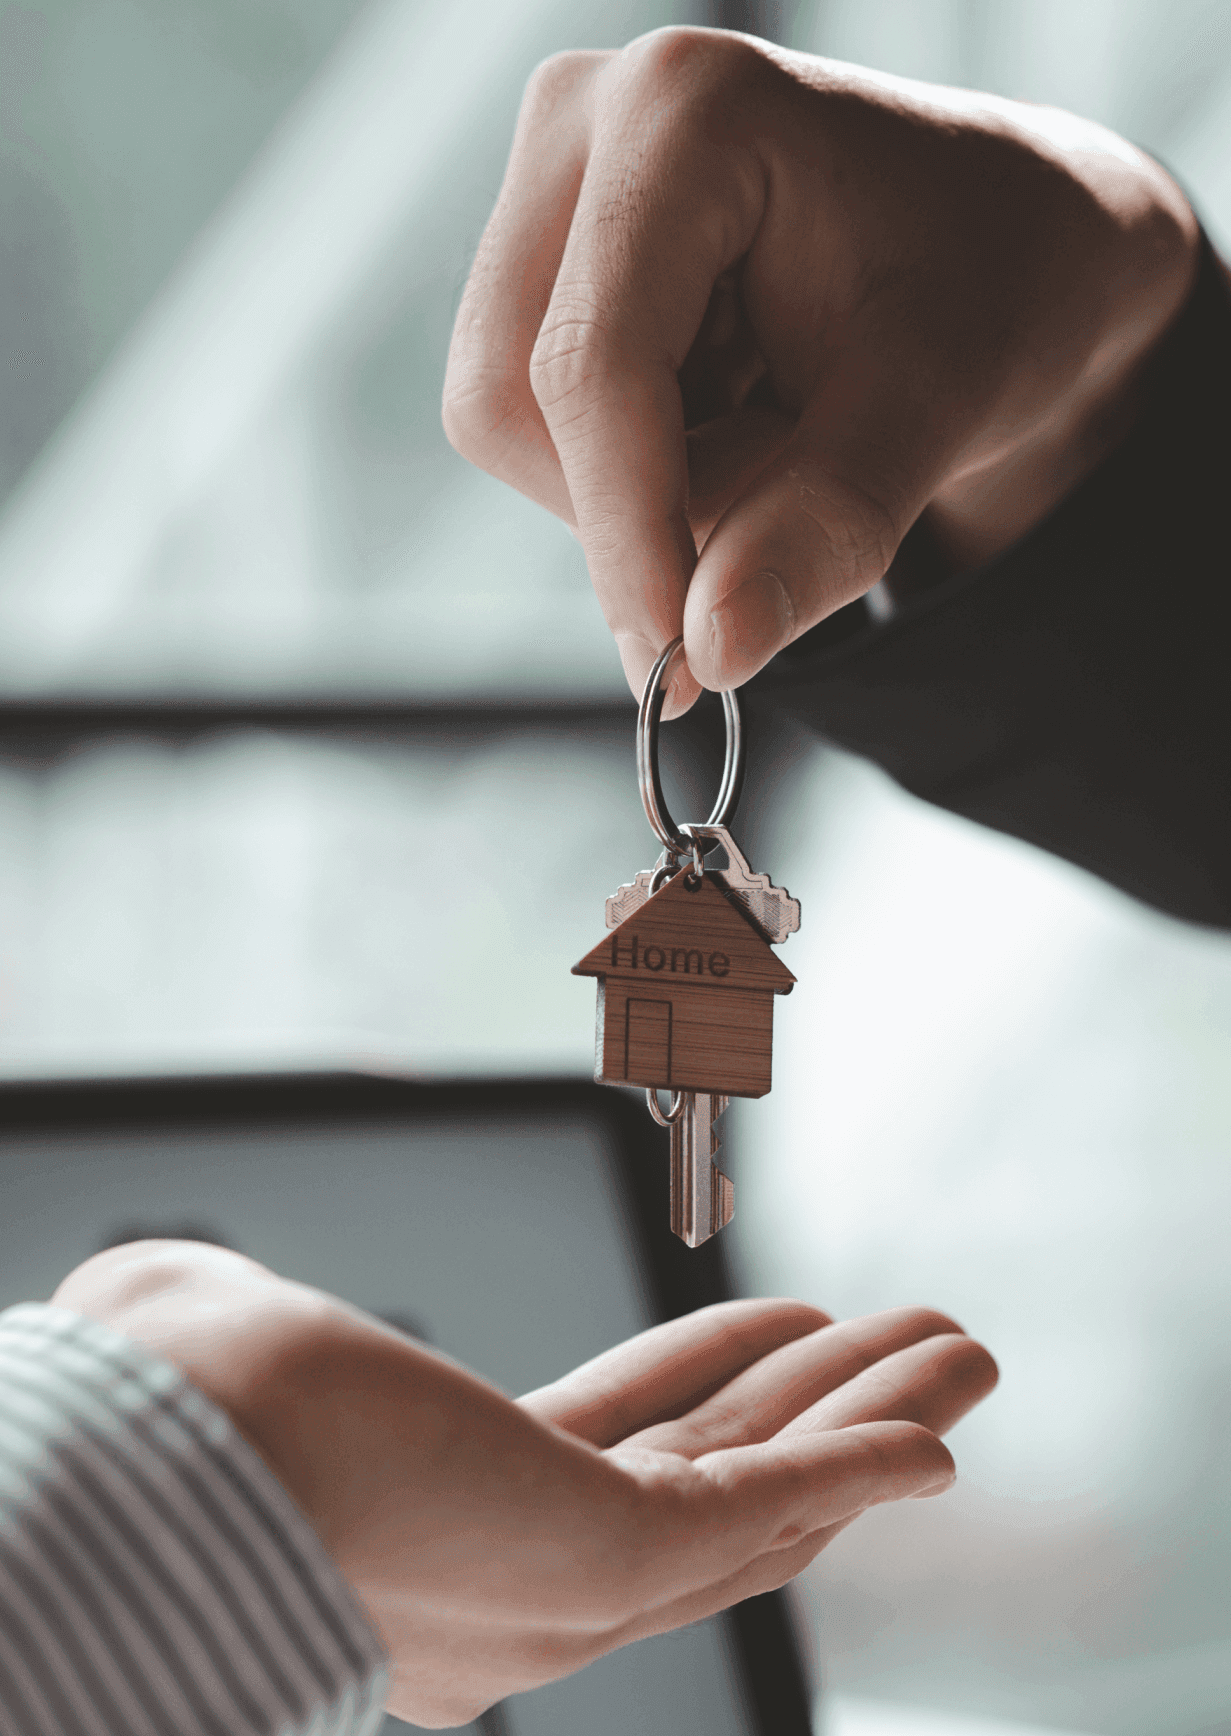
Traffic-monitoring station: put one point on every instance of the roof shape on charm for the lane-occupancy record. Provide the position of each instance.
(689, 930)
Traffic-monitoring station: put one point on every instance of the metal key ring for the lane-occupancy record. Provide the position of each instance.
(673, 1114)
(648, 719)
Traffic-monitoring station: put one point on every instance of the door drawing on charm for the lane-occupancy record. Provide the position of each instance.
(647, 1040)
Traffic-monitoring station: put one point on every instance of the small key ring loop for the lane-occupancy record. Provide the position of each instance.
(673, 1114)
(663, 870)
(649, 717)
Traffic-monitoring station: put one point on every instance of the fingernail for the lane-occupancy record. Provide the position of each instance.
(638, 657)
(748, 626)
(937, 1488)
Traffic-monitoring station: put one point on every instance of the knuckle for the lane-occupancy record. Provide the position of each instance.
(683, 60)
(553, 82)
(667, 104)
(662, 56)
(567, 357)
(871, 534)
(814, 1318)
(478, 414)
(858, 528)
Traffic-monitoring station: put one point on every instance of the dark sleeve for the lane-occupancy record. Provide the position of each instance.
(1075, 692)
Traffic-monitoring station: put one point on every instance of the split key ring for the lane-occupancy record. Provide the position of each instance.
(648, 719)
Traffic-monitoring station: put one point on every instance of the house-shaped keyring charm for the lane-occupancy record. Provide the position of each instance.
(686, 988)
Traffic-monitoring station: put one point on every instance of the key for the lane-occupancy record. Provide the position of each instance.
(686, 983)
(770, 907)
(686, 989)
(702, 1197)
(625, 899)
(687, 976)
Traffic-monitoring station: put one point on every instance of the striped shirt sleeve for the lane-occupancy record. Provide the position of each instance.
(155, 1578)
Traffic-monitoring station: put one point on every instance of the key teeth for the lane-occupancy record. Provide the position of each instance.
(723, 1198)
(722, 1210)
(722, 1195)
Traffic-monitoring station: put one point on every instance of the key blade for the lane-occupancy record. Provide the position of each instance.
(723, 1208)
(702, 1197)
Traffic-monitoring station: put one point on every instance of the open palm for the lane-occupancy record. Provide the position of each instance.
(499, 1543)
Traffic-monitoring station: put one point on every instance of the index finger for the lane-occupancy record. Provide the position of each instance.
(712, 1518)
(489, 412)
(668, 1369)
(664, 209)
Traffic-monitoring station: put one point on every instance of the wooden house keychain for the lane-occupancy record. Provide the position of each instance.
(687, 977)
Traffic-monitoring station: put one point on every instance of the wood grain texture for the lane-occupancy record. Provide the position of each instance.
(686, 994)
(691, 1038)
(688, 932)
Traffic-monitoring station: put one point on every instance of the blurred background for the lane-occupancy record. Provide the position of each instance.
(314, 753)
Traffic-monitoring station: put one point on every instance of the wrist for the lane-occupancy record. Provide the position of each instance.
(226, 1322)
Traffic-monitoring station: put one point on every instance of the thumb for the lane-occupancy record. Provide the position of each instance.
(816, 529)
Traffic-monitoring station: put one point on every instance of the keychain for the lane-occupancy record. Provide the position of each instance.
(687, 977)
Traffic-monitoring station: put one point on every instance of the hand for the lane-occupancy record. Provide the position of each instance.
(773, 308)
(500, 1544)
